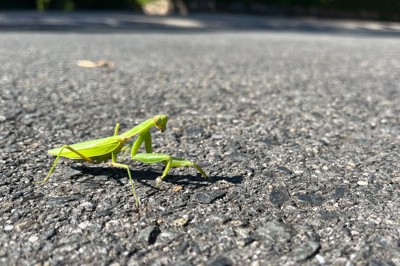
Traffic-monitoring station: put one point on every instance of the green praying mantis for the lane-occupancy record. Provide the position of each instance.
(102, 150)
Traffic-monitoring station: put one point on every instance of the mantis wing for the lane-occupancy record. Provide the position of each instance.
(91, 148)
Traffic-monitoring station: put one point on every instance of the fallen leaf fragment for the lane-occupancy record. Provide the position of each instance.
(177, 188)
(91, 64)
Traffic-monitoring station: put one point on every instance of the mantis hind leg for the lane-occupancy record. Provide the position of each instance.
(179, 162)
(87, 159)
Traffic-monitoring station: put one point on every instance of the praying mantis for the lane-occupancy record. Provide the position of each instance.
(102, 150)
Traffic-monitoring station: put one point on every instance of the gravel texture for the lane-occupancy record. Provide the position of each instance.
(299, 133)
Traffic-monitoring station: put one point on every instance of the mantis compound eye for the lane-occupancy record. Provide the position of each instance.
(161, 122)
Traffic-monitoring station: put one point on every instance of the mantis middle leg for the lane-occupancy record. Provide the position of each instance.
(120, 165)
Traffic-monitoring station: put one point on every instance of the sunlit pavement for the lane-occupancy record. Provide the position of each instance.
(296, 121)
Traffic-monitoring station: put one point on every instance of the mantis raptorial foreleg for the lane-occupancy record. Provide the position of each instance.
(143, 137)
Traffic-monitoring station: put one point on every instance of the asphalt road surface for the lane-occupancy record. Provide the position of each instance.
(298, 130)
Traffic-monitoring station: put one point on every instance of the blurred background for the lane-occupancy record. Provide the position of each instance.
(358, 9)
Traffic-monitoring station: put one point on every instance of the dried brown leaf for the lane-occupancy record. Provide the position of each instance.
(91, 64)
(177, 188)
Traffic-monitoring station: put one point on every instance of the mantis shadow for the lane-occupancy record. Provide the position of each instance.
(144, 176)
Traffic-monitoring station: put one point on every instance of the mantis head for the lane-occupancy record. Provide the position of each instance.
(161, 122)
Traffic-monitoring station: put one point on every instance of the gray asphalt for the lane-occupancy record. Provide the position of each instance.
(298, 131)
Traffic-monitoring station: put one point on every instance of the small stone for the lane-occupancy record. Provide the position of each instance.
(16, 195)
(33, 238)
(242, 232)
(70, 172)
(362, 182)
(313, 199)
(7, 207)
(274, 231)
(177, 188)
(87, 205)
(106, 212)
(149, 234)
(340, 192)
(180, 203)
(278, 197)
(22, 226)
(181, 222)
(112, 224)
(245, 241)
(84, 225)
(305, 251)
(328, 215)
(90, 185)
(167, 236)
(298, 172)
(236, 223)
(320, 259)
(195, 132)
(50, 234)
(220, 261)
(271, 141)
(208, 197)
(284, 170)
(62, 200)
(8, 227)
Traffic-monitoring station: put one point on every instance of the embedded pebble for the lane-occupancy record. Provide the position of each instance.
(8, 227)
(84, 225)
(313, 199)
(275, 231)
(220, 261)
(149, 234)
(279, 196)
(33, 238)
(362, 182)
(305, 251)
(209, 197)
(180, 222)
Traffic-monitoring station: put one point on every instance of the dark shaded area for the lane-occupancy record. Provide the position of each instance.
(368, 9)
(109, 22)
(18, 4)
(68, 5)
(98, 174)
